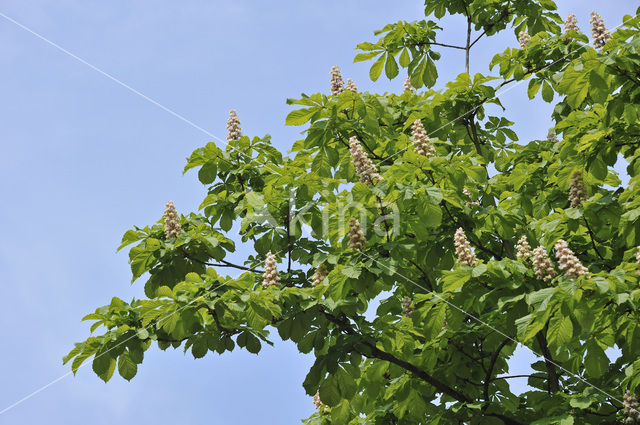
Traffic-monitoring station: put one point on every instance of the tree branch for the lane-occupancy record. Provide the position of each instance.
(468, 48)
(552, 373)
(375, 352)
(593, 242)
(223, 263)
(492, 364)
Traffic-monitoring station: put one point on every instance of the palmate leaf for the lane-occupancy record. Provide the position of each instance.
(403, 330)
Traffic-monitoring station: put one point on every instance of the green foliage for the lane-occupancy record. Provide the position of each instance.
(443, 359)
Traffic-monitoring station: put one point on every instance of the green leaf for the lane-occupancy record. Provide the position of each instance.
(479, 270)
(404, 58)
(129, 237)
(207, 173)
(142, 333)
(455, 279)
(300, 116)
(391, 67)
(376, 68)
(534, 86)
(596, 361)
(598, 169)
(547, 92)
(352, 271)
(249, 341)
(126, 366)
(580, 402)
(104, 365)
(560, 330)
(329, 393)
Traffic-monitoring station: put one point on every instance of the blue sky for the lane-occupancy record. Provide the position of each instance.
(83, 159)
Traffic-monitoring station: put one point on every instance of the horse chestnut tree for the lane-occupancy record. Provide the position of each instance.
(421, 200)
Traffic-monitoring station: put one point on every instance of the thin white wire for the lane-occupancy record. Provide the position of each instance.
(123, 84)
(87, 362)
(477, 319)
(192, 124)
(501, 92)
(44, 387)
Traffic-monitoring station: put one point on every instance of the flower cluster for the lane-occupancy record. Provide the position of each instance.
(568, 262)
(463, 249)
(638, 259)
(337, 83)
(319, 275)
(356, 236)
(542, 265)
(571, 24)
(408, 87)
(270, 276)
(599, 32)
(172, 227)
(471, 202)
(421, 140)
(364, 167)
(552, 136)
(577, 192)
(318, 403)
(233, 126)
(631, 409)
(407, 306)
(351, 86)
(524, 38)
(523, 248)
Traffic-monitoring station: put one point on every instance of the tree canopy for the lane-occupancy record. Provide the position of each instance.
(473, 239)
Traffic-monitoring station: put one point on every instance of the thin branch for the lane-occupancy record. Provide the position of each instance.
(375, 352)
(468, 48)
(288, 223)
(552, 373)
(223, 263)
(517, 376)
(593, 242)
(492, 364)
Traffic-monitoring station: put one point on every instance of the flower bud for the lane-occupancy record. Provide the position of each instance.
(337, 83)
(542, 265)
(319, 275)
(577, 192)
(523, 248)
(407, 306)
(631, 409)
(599, 32)
(524, 38)
(233, 126)
(408, 87)
(318, 403)
(421, 140)
(356, 236)
(351, 86)
(463, 249)
(172, 227)
(571, 24)
(270, 276)
(568, 262)
(364, 167)
(471, 202)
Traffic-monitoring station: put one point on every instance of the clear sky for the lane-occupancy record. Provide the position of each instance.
(82, 159)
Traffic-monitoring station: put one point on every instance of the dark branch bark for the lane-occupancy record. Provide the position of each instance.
(468, 48)
(593, 241)
(371, 350)
(552, 373)
(223, 263)
(492, 364)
